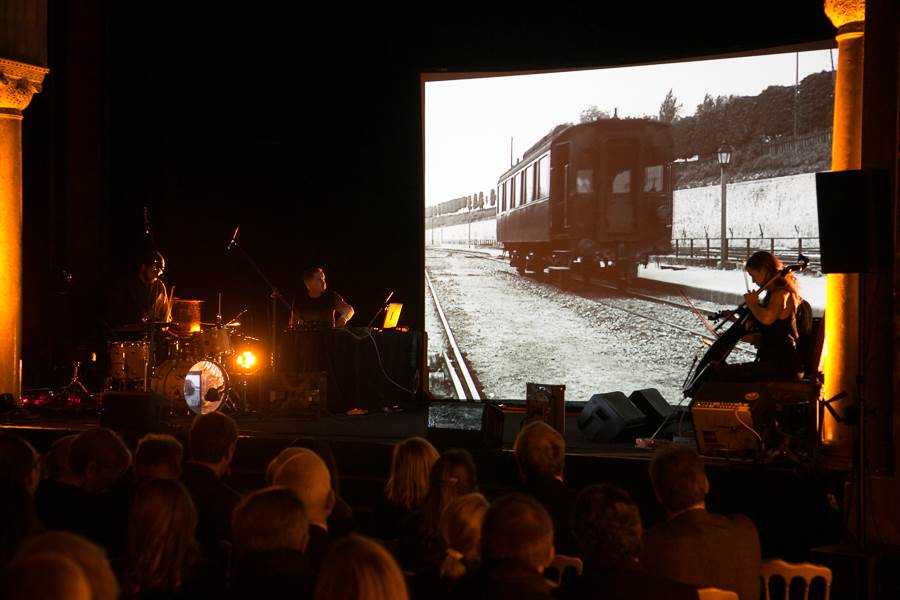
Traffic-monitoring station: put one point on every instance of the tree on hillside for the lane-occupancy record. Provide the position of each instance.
(669, 109)
(593, 113)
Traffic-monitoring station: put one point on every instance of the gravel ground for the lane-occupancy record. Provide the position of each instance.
(515, 329)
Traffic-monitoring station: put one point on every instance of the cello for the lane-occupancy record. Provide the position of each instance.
(727, 340)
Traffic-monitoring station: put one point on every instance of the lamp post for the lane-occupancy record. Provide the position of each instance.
(724, 156)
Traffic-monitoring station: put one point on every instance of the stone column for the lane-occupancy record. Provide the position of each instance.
(841, 352)
(18, 83)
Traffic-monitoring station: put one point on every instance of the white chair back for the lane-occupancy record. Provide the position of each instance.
(790, 571)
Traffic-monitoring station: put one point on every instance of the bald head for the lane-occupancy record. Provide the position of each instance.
(307, 475)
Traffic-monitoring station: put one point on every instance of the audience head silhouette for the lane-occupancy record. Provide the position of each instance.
(461, 532)
(89, 557)
(374, 575)
(269, 519)
(517, 530)
(158, 456)
(212, 441)
(98, 458)
(307, 475)
(453, 475)
(607, 525)
(679, 479)
(411, 463)
(19, 462)
(161, 529)
(56, 460)
(540, 452)
(44, 576)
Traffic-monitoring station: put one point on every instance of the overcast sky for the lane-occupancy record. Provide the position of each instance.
(469, 122)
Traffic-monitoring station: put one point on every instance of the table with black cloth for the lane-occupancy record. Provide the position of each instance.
(360, 364)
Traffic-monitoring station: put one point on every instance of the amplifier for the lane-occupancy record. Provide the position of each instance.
(724, 427)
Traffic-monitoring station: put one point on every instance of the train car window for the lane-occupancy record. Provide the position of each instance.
(584, 181)
(653, 178)
(530, 175)
(522, 186)
(544, 176)
(512, 191)
(503, 196)
(621, 183)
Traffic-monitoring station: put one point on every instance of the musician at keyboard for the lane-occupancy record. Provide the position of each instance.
(318, 308)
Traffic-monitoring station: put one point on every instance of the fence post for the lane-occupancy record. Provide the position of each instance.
(748, 248)
(772, 245)
(676, 247)
(692, 247)
(800, 245)
(707, 248)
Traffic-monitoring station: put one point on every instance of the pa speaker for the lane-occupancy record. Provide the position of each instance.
(134, 412)
(854, 216)
(610, 417)
(465, 425)
(650, 402)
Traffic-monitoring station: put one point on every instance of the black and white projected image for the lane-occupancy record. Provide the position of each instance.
(573, 220)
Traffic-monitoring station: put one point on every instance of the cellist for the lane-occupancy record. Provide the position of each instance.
(772, 327)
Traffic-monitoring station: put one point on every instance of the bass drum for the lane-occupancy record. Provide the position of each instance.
(202, 385)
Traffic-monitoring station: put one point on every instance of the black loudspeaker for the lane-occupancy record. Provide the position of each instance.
(610, 417)
(653, 405)
(134, 412)
(854, 217)
(465, 425)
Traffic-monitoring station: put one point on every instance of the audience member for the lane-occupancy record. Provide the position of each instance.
(48, 576)
(158, 456)
(89, 557)
(407, 485)
(19, 521)
(306, 474)
(516, 547)
(695, 546)
(374, 574)
(421, 549)
(341, 521)
(212, 440)
(163, 554)
(98, 460)
(19, 462)
(607, 525)
(270, 533)
(540, 453)
(461, 532)
(58, 489)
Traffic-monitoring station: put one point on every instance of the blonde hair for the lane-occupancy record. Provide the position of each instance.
(374, 575)
(161, 543)
(461, 532)
(411, 463)
(89, 557)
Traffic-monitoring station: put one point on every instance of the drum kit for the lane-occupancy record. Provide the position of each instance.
(183, 359)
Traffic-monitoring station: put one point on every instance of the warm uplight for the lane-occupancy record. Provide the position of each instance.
(246, 360)
(195, 327)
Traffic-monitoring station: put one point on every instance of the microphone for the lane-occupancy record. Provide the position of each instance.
(146, 222)
(234, 238)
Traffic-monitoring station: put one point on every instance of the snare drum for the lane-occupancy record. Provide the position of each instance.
(127, 360)
(202, 385)
(215, 341)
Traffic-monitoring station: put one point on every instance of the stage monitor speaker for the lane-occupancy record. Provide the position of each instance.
(465, 425)
(546, 402)
(611, 417)
(653, 405)
(134, 413)
(854, 216)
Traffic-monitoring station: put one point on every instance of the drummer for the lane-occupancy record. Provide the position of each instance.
(140, 297)
(319, 308)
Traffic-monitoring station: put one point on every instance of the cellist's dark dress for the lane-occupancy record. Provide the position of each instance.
(777, 358)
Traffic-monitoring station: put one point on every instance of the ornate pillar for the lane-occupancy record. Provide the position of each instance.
(841, 360)
(18, 83)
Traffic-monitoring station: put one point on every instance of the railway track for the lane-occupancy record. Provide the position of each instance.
(460, 374)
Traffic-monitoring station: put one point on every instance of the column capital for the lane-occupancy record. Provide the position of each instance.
(848, 16)
(18, 83)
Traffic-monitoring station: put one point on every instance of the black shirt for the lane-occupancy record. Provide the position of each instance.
(315, 313)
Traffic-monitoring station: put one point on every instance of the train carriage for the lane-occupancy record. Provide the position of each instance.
(594, 196)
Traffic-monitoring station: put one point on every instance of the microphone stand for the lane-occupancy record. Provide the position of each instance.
(274, 295)
(383, 306)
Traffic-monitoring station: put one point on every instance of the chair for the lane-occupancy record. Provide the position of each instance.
(562, 563)
(790, 571)
(712, 593)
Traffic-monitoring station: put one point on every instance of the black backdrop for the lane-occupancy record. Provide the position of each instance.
(300, 124)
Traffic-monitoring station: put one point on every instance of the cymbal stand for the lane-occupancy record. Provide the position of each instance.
(274, 295)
